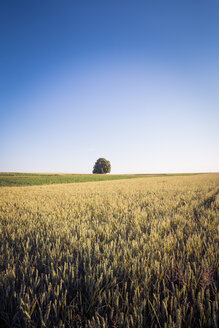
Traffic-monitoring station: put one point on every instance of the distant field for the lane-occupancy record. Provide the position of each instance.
(31, 179)
(25, 179)
(129, 253)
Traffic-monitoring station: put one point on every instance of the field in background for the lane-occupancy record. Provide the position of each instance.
(128, 253)
(31, 179)
(26, 179)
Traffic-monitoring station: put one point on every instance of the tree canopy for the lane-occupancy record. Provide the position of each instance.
(102, 166)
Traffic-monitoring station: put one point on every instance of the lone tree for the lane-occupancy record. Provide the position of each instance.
(102, 166)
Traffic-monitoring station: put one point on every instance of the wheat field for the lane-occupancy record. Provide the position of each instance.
(130, 253)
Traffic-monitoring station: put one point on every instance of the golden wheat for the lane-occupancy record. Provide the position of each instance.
(130, 253)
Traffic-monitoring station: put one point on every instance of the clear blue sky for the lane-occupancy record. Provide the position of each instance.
(136, 82)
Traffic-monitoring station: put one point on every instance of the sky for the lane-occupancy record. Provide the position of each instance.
(135, 82)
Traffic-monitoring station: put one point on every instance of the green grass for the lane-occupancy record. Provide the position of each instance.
(31, 179)
(43, 179)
